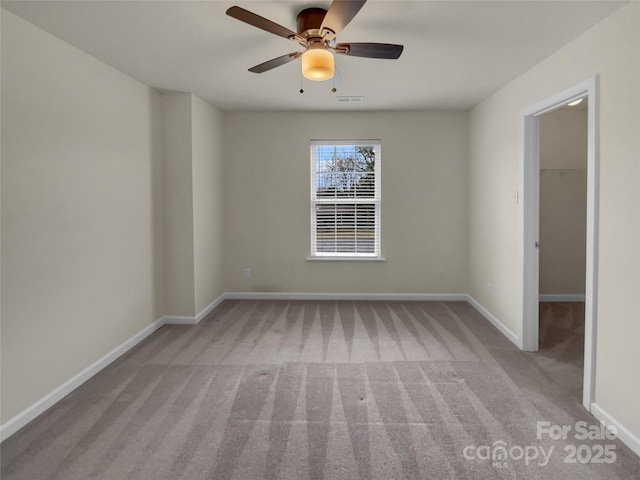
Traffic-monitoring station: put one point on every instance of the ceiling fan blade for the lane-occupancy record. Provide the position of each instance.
(370, 50)
(340, 13)
(251, 18)
(275, 62)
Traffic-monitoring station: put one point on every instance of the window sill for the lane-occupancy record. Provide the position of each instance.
(346, 259)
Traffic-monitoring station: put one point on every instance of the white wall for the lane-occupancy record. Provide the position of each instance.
(424, 202)
(610, 49)
(178, 204)
(563, 201)
(192, 203)
(207, 202)
(111, 210)
(81, 231)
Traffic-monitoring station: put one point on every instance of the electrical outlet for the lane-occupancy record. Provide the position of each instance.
(247, 273)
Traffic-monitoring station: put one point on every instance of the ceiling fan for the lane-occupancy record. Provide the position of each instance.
(317, 31)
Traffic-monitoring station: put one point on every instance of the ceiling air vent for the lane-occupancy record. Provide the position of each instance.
(349, 99)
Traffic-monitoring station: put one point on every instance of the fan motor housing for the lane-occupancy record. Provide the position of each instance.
(309, 21)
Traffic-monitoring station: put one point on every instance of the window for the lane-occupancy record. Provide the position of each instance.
(345, 199)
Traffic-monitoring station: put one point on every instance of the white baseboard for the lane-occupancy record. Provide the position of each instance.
(20, 420)
(434, 297)
(14, 424)
(494, 321)
(408, 297)
(623, 433)
(179, 320)
(561, 297)
(209, 308)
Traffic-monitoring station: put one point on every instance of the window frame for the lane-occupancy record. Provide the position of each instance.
(376, 255)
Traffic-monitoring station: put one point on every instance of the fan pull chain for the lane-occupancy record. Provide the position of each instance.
(334, 89)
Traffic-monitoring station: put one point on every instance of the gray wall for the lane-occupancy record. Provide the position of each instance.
(424, 202)
(563, 201)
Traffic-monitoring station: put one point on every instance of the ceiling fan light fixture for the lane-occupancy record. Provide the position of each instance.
(318, 63)
(316, 33)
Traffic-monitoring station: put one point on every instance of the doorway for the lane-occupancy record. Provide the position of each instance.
(562, 246)
(530, 224)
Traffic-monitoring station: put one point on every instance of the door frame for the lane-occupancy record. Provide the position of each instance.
(529, 214)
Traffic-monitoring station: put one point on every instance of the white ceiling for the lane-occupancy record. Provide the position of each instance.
(456, 52)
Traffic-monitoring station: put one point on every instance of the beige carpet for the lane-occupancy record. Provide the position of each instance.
(335, 390)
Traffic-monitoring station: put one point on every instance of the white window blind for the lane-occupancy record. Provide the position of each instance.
(345, 198)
